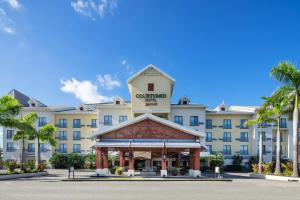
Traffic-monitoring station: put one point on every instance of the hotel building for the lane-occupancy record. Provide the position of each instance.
(150, 133)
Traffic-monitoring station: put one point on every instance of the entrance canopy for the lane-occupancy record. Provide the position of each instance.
(149, 131)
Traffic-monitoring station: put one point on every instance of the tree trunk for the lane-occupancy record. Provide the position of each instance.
(260, 155)
(277, 169)
(295, 138)
(23, 154)
(38, 152)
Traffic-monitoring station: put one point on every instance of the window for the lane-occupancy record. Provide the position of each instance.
(283, 123)
(118, 102)
(244, 149)
(43, 147)
(63, 148)
(264, 150)
(242, 123)
(76, 135)
(150, 86)
(9, 134)
(108, 120)
(42, 121)
(208, 124)
(227, 123)
(94, 123)
(76, 123)
(62, 135)
(76, 148)
(209, 148)
(208, 137)
(263, 136)
(30, 147)
(62, 123)
(244, 137)
(227, 149)
(10, 147)
(122, 118)
(227, 137)
(178, 120)
(194, 121)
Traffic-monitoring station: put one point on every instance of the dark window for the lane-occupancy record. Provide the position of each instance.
(117, 102)
(42, 121)
(264, 138)
(227, 149)
(76, 135)
(178, 120)
(10, 147)
(244, 149)
(283, 123)
(150, 86)
(122, 118)
(63, 148)
(244, 137)
(242, 125)
(9, 134)
(108, 120)
(227, 137)
(62, 135)
(43, 147)
(76, 123)
(30, 147)
(94, 123)
(208, 136)
(76, 148)
(209, 148)
(194, 121)
(62, 123)
(227, 123)
(208, 124)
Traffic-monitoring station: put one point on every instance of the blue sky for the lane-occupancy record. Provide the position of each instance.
(64, 52)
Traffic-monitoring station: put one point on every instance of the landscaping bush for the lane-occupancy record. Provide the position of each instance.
(41, 167)
(237, 159)
(255, 168)
(11, 165)
(267, 167)
(119, 171)
(287, 168)
(175, 171)
(216, 160)
(75, 160)
(59, 161)
(113, 169)
(90, 161)
(31, 165)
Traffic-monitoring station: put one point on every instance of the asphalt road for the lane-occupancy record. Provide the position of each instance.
(51, 188)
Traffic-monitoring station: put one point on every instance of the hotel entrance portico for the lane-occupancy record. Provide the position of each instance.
(149, 145)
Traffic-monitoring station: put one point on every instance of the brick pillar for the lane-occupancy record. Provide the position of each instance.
(197, 159)
(99, 163)
(105, 158)
(178, 159)
(131, 161)
(191, 159)
(163, 161)
(121, 159)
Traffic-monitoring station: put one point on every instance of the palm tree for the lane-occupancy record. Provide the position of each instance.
(277, 104)
(288, 74)
(25, 128)
(44, 134)
(263, 115)
(9, 109)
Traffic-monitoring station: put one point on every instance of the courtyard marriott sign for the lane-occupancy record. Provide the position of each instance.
(150, 99)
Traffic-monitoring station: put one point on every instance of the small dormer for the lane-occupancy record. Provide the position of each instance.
(184, 101)
(118, 100)
(222, 107)
(34, 103)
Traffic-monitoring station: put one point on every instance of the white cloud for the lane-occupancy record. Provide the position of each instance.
(5, 23)
(127, 66)
(84, 90)
(14, 4)
(124, 62)
(107, 82)
(94, 8)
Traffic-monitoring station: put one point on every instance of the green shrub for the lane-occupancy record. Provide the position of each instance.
(113, 169)
(90, 161)
(267, 167)
(11, 165)
(182, 171)
(255, 168)
(216, 160)
(119, 171)
(76, 160)
(287, 168)
(237, 159)
(41, 167)
(59, 161)
(31, 165)
(175, 171)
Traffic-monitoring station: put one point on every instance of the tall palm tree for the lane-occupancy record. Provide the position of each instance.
(263, 115)
(25, 129)
(9, 109)
(44, 134)
(277, 104)
(288, 74)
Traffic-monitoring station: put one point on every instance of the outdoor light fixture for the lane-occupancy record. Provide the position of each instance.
(164, 157)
